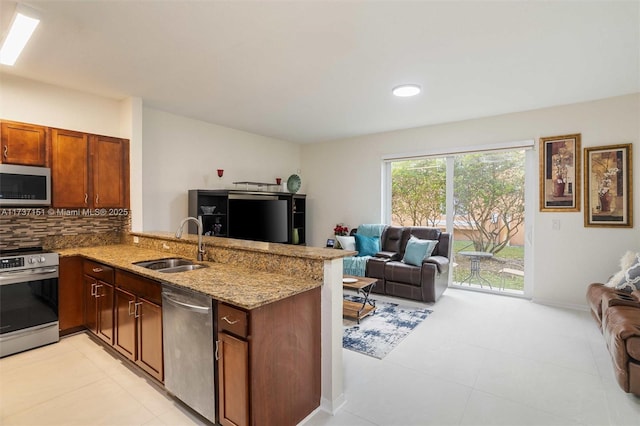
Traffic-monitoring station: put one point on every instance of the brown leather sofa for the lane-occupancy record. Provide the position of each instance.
(618, 316)
(425, 283)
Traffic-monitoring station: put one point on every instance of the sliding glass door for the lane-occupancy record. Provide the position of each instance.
(480, 197)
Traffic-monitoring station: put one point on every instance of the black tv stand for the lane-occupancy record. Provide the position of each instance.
(217, 222)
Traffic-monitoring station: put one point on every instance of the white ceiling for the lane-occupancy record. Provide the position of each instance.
(311, 71)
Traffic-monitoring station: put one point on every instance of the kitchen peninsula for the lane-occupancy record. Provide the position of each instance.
(283, 298)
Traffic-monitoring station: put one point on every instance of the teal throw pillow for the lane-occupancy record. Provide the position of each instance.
(367, 246)
(417, 250)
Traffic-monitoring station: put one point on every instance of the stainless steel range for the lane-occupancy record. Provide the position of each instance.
(28, 299)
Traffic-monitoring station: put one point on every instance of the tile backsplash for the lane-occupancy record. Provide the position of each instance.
(52, 231)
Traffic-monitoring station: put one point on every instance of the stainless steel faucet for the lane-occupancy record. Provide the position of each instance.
(198, 221)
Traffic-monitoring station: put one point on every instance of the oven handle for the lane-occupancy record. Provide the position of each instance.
(29, 275)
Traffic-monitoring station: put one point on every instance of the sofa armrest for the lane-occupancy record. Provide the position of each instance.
(389, 255)
(618, 298)
(441, 262)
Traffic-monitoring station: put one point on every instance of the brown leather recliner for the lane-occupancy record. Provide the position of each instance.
(425, 283)
(618, 316)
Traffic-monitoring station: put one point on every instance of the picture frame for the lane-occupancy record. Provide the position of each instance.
(608, 183)
(330, 243)
(560, 167)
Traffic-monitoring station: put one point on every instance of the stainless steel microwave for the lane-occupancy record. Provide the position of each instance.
(25, 185)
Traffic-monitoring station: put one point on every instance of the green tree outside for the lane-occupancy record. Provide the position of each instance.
(489, 197)
(418, 191)
(488, 191)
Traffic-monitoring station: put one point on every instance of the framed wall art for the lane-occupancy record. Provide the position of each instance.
(560, 179)
(608, 186)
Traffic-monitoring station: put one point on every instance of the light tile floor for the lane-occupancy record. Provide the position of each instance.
(78, 382)
(478, 359)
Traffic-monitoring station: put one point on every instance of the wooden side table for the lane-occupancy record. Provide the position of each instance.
(359, 310)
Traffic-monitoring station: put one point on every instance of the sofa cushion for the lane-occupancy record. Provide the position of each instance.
(391, 239)
(367, 246)
(417, 250)
(347, 242)
(403, 273)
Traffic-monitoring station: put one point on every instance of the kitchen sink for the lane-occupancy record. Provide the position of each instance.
(170, 265)
(182, 268)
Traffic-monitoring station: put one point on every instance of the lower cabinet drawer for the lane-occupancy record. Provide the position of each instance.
(140, 286)
(98, 271)
(232, 320)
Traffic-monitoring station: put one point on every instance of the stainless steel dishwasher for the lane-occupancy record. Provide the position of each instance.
(187, 319)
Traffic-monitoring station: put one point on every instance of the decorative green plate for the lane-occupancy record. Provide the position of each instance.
(293, 183)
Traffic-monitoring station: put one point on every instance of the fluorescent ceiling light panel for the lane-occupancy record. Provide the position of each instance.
(407, 90)
(20, 32)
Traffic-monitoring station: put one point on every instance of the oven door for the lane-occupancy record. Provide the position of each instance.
(28, 298)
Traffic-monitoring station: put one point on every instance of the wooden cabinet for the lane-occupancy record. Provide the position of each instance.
(125, 319)
(70, 301)
(69, 169)
(22, 143)
(233, 382)
(89, 171)
(109, 171)
(138, 317)
(121, 308)
(98, 297)
(150, 355)
(269, 367)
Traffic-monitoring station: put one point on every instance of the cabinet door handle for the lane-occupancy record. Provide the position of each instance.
(136, 312)
(97, 287)
(230, 322)
(86, 197)
(6, 152)
(97, 198)
(216, 356)
(93, 290)
(130, 303)
(97, 269)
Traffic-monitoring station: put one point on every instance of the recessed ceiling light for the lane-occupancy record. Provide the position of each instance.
(406, 90)
(19, 34)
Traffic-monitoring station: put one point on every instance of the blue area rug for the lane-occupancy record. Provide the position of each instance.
(378, 334)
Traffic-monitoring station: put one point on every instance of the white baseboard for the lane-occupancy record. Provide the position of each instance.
(551, 302)
(332, 407)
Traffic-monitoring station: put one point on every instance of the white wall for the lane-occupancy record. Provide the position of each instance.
(344, 185)
(182, 154)
(34, 102)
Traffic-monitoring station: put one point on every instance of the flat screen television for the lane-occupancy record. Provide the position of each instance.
(258, 220)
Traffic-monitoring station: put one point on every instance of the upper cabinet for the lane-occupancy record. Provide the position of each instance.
(109, 171)
(22, 143)
(70, 169)
(89, 171)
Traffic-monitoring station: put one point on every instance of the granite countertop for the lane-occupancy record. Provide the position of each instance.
(314, 253)
(242, 287)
